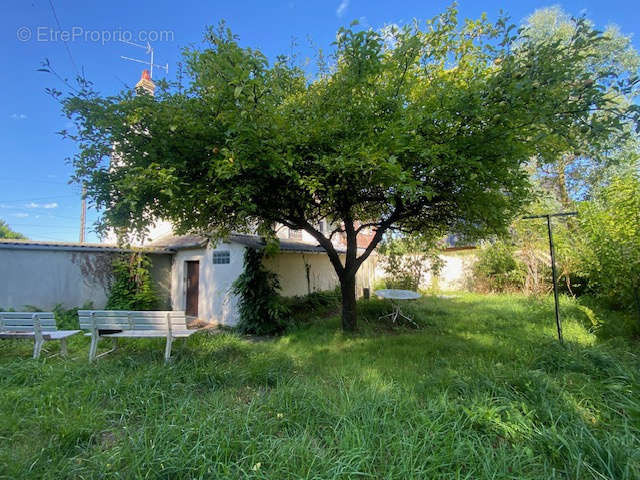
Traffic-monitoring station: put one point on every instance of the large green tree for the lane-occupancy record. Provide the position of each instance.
(423, 128)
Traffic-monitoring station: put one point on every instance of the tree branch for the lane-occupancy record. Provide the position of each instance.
(325, 243)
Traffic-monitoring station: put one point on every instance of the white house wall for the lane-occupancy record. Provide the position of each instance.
(216, 303)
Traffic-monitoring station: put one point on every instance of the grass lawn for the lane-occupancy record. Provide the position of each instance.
(480, 390)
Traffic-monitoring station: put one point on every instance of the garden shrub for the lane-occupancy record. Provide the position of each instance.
(610, 226)
(67, 319)
(132, 287)
(406, 260)
(305, 307)
(497, 269)
(262, 310)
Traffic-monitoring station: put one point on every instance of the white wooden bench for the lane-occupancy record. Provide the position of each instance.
(41, 326)
(116, 324)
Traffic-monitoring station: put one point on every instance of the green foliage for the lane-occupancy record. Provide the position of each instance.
(576, 173)
(483, 391)
(303, 308)
(262, 310)
(416, 128)
(611, 249)
(132, 287)
(67, 318)
(497, 269)
(6, 232)
(406, 260)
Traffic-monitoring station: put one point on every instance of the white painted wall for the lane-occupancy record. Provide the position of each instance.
(453, 276)
(46, 277)
(216, 303)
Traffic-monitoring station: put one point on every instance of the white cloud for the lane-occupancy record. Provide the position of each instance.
(19, 116)
(42, 205)
(20, 215)
(344, 4)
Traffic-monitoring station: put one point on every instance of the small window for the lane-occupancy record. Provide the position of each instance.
(221, 256)
(295, 234)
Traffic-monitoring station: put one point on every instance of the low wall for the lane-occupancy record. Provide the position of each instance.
(453, 276)
(44, 277)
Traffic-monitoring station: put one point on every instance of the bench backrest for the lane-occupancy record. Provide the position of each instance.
(131, 320)
(26, 321)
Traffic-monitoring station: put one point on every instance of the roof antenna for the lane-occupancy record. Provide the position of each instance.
(149, 51)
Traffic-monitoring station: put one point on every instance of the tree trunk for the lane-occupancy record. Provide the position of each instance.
(561, 180)
(349, 306)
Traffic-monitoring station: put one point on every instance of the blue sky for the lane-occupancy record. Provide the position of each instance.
(35, 198)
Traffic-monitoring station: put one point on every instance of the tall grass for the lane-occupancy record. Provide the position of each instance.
(480, 390)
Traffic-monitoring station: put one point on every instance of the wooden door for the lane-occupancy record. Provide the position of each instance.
(193, 287)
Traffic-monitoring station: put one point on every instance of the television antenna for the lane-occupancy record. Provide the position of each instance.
(149, 51)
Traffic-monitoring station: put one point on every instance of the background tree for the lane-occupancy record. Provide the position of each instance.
(573, 174)
(423, 128)
(6, 232)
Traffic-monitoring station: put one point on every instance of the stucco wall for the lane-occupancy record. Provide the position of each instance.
(161, 275)
(44, 278)
(292, 271)
(216, 303)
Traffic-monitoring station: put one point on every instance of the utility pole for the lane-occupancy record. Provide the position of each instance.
(83, 214)
(553, 263)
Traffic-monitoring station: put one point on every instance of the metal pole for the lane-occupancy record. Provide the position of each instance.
(555, 281)
(553, 262)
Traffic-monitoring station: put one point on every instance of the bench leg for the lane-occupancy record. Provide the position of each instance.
(37, 348)
(114, 344)
(167, 350)
(93, 348)
(63, 347)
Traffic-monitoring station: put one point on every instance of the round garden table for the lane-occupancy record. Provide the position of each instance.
(397, 296)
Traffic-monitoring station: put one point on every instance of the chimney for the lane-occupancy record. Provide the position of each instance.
(146, 84)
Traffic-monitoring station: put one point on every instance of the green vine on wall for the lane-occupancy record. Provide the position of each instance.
(261, 308)
(132, 287)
